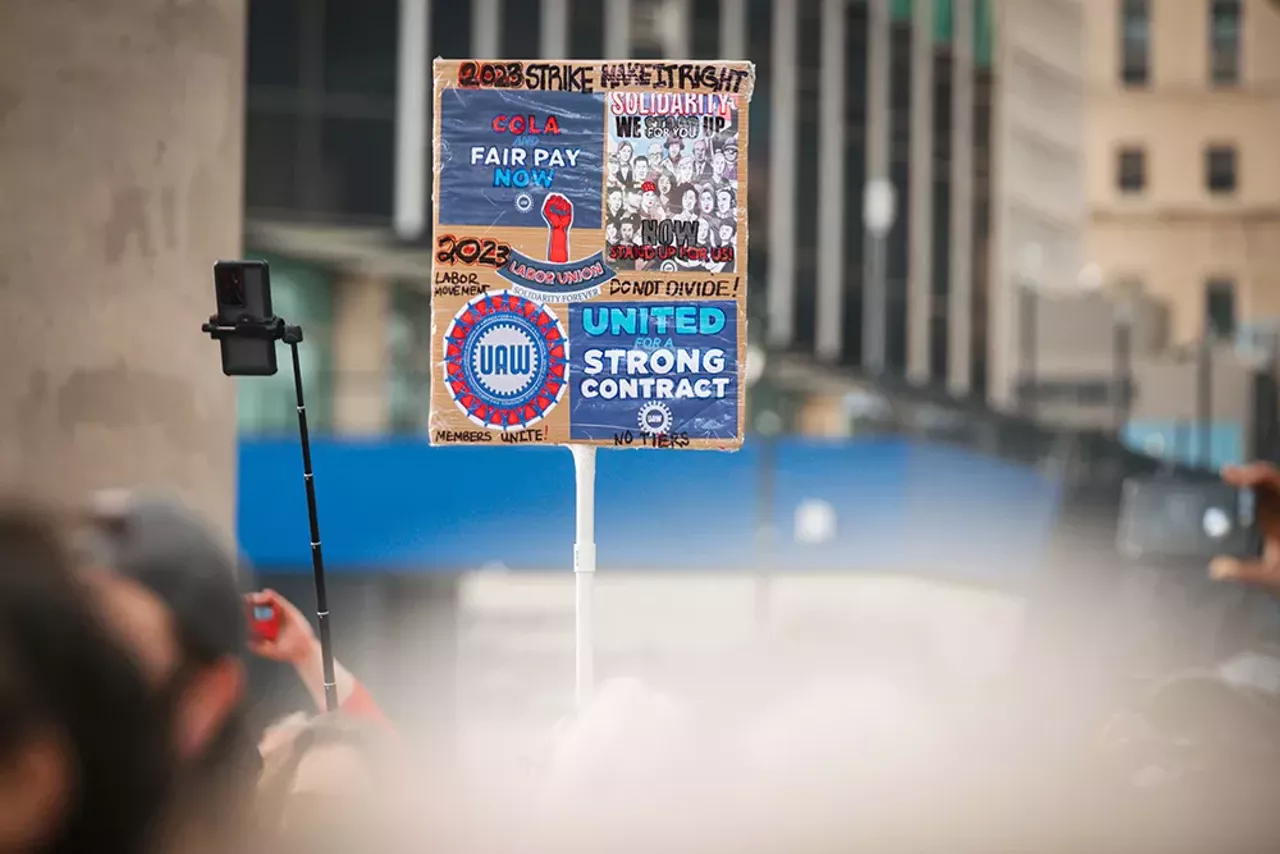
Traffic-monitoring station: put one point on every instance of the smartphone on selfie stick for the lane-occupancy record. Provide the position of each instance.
(247, 330)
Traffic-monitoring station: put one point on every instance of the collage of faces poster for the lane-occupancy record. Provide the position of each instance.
(589, 278)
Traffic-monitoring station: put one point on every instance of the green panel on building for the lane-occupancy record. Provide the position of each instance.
(301, 293)
(942, 25)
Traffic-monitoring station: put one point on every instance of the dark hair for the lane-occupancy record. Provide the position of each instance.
(62, 673)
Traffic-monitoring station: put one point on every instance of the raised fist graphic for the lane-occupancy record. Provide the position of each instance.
(558, 212)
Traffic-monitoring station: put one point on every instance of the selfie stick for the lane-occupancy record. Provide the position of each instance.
(274, 329)
(584, 570)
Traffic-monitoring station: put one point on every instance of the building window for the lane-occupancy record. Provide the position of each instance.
(1220, 168)
(1224, 42)
(1220, 308)
(320, 123)
(1131, 170)
(1135, 42)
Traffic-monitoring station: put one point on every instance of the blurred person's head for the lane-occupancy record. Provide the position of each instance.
(332, 783)
(627, 772)
(851, 752)
(172, 593)
(627, 739)
(1197, 757)
(85, 759)
(1196, 725)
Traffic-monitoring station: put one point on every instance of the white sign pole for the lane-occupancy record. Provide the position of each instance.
(584, 570)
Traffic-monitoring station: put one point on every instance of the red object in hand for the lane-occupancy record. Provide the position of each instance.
(558, 212)
(264, 622)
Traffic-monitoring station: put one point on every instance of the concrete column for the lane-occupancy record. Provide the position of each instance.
(831, 190)
(920, 186)
(733, 29)
(413, 117)
(361, 311)
(783, 140)
(617, 29)
(486, 29)
(960, 284)
(555, 30)
(879, 123)
(121, 163)
(677, 28)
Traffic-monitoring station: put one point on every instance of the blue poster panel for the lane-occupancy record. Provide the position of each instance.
(590, 238)
(653, 373)
(501, 150)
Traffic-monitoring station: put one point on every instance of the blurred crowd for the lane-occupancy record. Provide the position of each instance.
(125, 626)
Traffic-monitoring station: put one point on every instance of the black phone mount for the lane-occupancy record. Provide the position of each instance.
(275, 329)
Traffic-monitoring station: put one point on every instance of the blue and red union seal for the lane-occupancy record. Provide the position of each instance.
(506, 360)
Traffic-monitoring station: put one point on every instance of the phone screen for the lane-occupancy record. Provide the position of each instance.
(263, 613)
(243, 292)
(1170, 518)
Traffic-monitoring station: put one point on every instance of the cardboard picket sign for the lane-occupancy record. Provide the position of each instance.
(589, 279)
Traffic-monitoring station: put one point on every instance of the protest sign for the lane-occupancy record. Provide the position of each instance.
(590, 233)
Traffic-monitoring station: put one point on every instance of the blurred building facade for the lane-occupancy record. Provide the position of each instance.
(1002, 128)
(1183, 195)
(1184, 190)
(337, 181)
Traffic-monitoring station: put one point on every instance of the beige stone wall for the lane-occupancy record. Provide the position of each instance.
(1038, 163)
(1174, 235)
(361, 314)
(121, 137)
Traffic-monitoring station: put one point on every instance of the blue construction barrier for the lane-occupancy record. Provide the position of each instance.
(400, 505)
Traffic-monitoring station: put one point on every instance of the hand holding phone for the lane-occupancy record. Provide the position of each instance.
(264, 621)
(1262, 568)
(278, 630)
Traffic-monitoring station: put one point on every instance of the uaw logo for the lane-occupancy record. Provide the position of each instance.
(505, 361)
(557, 279)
